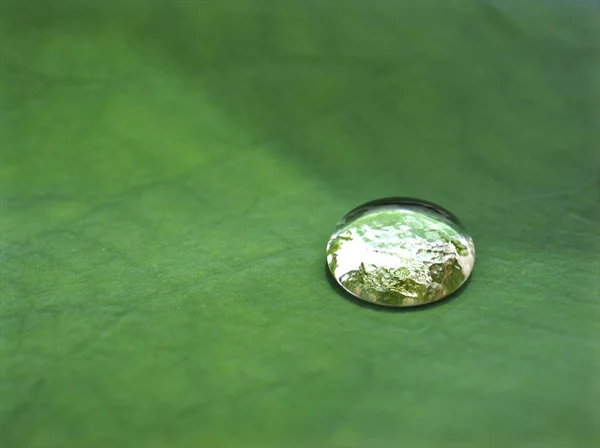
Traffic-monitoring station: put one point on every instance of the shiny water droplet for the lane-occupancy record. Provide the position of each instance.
(400, 252)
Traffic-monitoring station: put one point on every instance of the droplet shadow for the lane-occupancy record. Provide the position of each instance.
(390, 309)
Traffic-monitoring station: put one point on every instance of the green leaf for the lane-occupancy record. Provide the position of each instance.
(170, 174)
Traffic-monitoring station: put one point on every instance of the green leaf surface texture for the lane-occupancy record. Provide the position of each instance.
(171, 172)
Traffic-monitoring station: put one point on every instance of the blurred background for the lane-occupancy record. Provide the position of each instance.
(171, 171)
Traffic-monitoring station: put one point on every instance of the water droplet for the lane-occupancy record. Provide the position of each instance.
(400, 252)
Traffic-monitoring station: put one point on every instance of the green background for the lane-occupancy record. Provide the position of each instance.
(170, 175)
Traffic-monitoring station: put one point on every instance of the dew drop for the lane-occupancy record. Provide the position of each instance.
(400, 252)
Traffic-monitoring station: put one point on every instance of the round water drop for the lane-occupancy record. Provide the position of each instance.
(400, 252)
